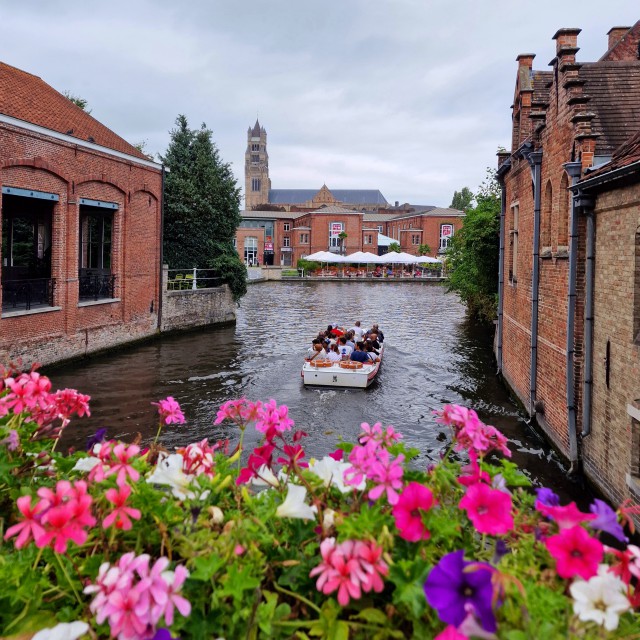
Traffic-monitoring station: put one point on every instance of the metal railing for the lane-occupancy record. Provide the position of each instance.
(185, 279)
(23, 295)
(96, 286)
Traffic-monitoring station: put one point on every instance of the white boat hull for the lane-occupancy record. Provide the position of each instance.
(336, 376)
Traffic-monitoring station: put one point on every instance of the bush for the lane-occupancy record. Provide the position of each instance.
(205, 543)
(233, 272)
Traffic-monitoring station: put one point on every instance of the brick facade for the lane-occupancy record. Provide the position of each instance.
(36, 158)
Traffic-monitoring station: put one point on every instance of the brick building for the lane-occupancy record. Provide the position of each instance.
(557, 229)
(81, 218)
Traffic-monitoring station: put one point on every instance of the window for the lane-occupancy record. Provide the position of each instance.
(286, 241)
(446, 233)
(255, 147)
(250, 250)
(304, 238)
(255, 158)
(513, 244)
(546, 216)
(335, 241)
(380, 228)
(287, 226)
(563, 212)
(96, 231)
(415, 238)
(368, 238)
(255, 184)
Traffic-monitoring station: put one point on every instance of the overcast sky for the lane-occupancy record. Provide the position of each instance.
(410, 97)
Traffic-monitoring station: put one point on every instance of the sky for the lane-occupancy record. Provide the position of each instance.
(411, 97)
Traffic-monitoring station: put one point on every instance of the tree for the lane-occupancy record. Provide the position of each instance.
(343, 236)
(424, 250)
(202, 207)
(77, 100)
(267, 207)
(394, 247)
(474, 253)
(462, 199)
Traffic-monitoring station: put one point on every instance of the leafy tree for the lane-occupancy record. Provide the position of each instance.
(267, 207)
(462, 199)
(474, 253)
(395, 248)
(77, 100)
(343, 236)
(424, 250)
(202, 207)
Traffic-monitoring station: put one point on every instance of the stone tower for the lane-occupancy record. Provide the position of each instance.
(256, 168)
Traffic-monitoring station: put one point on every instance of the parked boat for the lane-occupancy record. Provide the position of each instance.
(344, 373)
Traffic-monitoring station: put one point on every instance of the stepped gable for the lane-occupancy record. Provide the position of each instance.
(29, 98)
(624, 156)
(614, 91)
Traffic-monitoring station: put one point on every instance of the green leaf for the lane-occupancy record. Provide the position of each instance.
(409, 577)
(374, 616)
(206, 567)
(237, 581)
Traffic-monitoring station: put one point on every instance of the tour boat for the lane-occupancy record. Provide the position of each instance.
(344, 373)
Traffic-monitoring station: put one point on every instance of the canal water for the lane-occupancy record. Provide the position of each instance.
(433, 356)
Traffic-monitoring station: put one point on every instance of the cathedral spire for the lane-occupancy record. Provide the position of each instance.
(255, 133)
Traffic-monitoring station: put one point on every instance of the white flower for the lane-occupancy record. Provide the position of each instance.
(265, 478)
(217, 517)
(169, 471)
(63, 631)
(86, 464)
(294, 505)
(600, 599)
(331, 472)
(328, 520)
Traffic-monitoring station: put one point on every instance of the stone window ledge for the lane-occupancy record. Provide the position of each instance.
(633, 410)
(93, 303)
(546, 252)
(30, 312)
(561, 252)
(633, 483)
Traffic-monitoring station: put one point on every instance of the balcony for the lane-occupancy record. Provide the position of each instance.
(96, 286)
(27, 295)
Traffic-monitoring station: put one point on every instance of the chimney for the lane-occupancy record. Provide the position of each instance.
(566, 39)
(615, 35)
(522, 106)
(397, 202)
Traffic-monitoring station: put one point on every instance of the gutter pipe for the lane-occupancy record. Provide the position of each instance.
(574, 169)
(506, 165)
(535, 160)
(161, 248)
(588, 318)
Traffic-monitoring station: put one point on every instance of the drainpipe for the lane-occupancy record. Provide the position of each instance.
(160, 288)
(586, 204)
(535, 160)
(506, 165)
(574, 169)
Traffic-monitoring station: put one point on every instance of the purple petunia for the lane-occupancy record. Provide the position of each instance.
(606, 520)
(455, 586)
(547, 497)
(99, 436)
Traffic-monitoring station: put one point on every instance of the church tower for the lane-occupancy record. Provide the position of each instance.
(256, 168)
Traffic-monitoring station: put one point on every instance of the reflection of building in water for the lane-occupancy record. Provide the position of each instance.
(280, 226)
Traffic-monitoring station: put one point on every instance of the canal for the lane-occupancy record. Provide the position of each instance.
(433, 356)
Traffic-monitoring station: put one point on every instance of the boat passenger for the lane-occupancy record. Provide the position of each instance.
(333, 354)
(373, 341)
(316, 352)
(337, 331)
(343, 349)
(375, 329)
(358, 331)
(350, 341)
(360, 355)
(373, 356)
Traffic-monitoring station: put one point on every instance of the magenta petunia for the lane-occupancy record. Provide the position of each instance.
(489, 509)
(414, 501)
(576, 553)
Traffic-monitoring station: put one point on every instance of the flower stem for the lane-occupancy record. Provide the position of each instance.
(296, 596)
(68, 577)
(35, 564)
(158, 433)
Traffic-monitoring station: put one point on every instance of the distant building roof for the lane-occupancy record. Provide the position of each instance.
(348, 196)
(27, 97)
(334, 208)
(435, 212)
(379, 217)
(271, 215)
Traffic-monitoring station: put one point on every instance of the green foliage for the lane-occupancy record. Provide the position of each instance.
(394, 247)
(77, 100)
(202, 207)
(424, 250)
(474, 253)
(462, 199)
(308, 265)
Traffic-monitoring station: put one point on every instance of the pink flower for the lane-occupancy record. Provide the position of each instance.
(388, 477)
(565, 517)
(472, 473)
(29, 391)
(370, 555)
(120, 462)
(414, 500)
(60, 528)
(628, 564)
(361, 459)
(451, 633)
(169, 411)
(489, 509)
(370, 433)
(273, 419)
(30, 526)
(128, 612)
(576, 553)
(198, 458)
(69, 401)
(121, 515)
(175, 580)
(231, 410)
(250, 412)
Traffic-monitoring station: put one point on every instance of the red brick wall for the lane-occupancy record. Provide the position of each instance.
(627, 47)
(33, 161)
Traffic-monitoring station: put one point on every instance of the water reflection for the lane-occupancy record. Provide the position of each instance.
(433, 356)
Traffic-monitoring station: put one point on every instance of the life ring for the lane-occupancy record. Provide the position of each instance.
(350, 364)
(318, 364)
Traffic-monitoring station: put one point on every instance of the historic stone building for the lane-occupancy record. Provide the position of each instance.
(81, 219)
(565, 341)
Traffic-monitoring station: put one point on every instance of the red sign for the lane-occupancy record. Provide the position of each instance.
(446, 230)
(336, 228)
(268, 246)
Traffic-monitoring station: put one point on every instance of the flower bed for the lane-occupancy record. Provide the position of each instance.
(128, 542)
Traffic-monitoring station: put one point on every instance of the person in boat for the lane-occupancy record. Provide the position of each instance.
(350, 341)
(358, 331)
(360, 355)
(333, 354)
(337, 331)
(371, 354)
(373, 341)
(343, 349)
(316, 352)
(377, 272)
(376, 329)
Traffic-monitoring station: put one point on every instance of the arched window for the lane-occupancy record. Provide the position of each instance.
(564, 198)
(547, 208)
